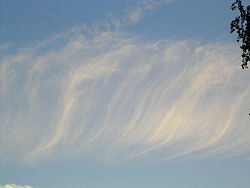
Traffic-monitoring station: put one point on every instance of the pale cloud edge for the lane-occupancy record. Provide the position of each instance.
(135, 13)
(5, 46)
(15, 186)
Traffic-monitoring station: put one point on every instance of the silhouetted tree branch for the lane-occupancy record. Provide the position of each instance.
(241, 25)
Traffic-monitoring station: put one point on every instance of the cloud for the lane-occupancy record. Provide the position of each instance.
(15, 186)
(113, 96)
(135, 13)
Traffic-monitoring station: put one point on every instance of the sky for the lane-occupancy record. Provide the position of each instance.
(127, 94)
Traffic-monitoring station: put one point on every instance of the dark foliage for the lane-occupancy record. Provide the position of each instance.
(241, 25)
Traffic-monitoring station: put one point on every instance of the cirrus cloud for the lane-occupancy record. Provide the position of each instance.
(116, 97)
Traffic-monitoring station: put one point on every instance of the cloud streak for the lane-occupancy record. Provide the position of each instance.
(135, 13)
(116, 97)
(15, 186)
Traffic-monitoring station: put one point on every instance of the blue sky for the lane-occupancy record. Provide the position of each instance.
(122, 94)
(29, 21)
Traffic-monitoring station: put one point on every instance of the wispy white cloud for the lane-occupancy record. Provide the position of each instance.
(15, 186)
(114, 97)
(135, 13)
